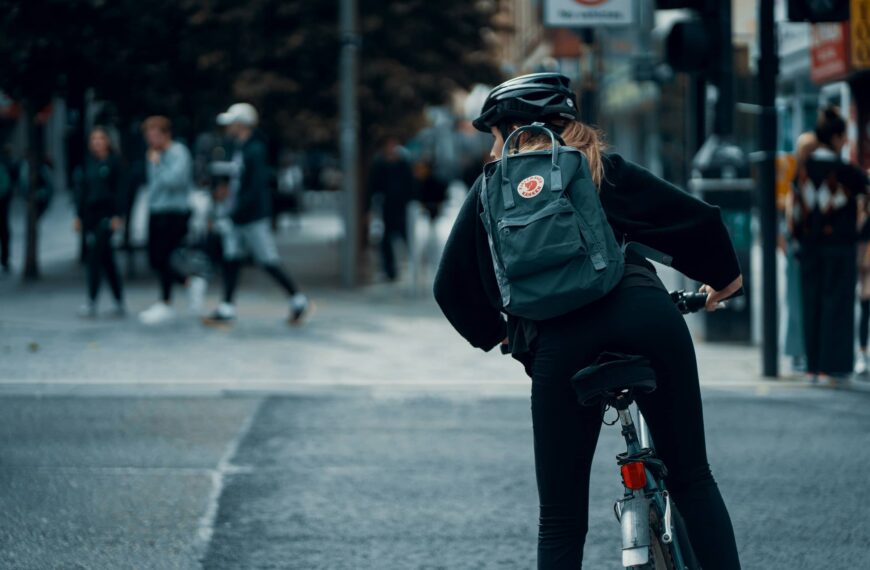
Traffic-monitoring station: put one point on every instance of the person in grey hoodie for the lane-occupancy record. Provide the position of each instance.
(169, 178)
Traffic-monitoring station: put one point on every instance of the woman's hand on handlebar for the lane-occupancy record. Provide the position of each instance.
(715, 297)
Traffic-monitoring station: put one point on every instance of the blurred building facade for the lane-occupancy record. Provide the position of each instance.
(653, 119)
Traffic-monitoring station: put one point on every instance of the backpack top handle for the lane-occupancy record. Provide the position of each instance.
(555, 171)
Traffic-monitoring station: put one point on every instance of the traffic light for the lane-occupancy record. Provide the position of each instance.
(700, 42)
(688, 46)
(818, 10)
(693, 43)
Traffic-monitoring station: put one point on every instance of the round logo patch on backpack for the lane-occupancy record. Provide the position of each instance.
(531, 186)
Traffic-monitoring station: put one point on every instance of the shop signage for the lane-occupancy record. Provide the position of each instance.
(585, 13)
(859, 19)
(829, 53)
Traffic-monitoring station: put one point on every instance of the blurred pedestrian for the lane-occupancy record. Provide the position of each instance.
(433, 190)
(794, 329)
(99, 207)
(392, 179)
(169, 178)
(245, 227)
(826, 225)
(7, 184)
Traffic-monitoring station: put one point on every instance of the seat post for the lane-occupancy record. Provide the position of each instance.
(621, 403)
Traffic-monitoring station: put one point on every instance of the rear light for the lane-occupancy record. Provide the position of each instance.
(634, 475)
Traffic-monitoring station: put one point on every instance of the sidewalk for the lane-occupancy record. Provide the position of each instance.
(379, 336)
(389, 336)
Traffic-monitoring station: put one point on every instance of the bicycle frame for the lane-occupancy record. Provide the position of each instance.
(633, 510)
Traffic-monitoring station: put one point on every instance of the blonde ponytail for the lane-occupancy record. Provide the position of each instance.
(586, 139)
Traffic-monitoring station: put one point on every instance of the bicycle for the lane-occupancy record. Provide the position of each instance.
(653, 533)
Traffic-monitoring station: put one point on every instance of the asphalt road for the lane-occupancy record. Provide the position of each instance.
(355, 478)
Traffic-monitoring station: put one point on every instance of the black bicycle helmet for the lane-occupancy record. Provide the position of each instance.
(527, 99)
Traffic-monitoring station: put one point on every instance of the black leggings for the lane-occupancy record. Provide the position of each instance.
(643, 321)
(166, 232)
(101, 260)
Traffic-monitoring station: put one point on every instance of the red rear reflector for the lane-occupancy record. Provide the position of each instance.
(634, 475)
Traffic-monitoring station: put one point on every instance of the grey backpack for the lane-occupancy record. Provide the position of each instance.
(552, 247)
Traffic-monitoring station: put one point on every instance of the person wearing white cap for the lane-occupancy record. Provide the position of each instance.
(245, 227)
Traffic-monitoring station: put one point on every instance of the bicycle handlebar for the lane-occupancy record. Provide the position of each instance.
(686, 302)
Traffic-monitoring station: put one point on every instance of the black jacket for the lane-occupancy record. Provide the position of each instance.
(254, 199)
(100, 190)
(640, 207)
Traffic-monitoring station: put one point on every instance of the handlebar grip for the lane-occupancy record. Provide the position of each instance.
(695, 301)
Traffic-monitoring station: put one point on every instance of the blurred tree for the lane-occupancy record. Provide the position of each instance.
(131, 53)
(145, 62)
(188, 58)
(282, 56)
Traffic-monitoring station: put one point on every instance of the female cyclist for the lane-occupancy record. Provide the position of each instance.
(637, 317)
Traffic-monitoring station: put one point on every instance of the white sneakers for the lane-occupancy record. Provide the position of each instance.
(861, 364)
(161, 312)
(300, 308)
(156, 314)
(224, 315)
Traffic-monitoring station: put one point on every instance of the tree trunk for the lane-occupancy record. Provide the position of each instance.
(31, 240)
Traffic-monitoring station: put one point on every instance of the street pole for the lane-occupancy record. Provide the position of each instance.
(724, 117)
(349, 137)
(589, 95)
(767, 72)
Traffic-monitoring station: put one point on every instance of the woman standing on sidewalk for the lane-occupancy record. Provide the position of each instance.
(99, 203)
(637, 317)
(826, 217)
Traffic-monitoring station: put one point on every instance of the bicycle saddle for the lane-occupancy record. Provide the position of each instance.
(612, 373)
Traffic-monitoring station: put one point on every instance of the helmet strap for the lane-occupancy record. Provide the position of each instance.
(506, 128)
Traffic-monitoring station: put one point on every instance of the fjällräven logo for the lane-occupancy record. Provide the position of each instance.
(531, 186)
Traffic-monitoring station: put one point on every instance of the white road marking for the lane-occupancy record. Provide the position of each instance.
(205, 527)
